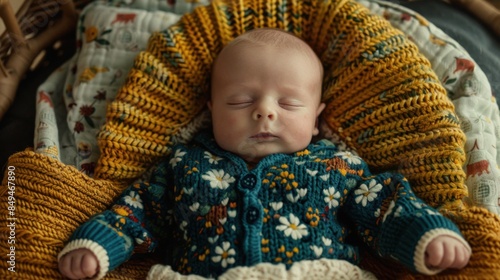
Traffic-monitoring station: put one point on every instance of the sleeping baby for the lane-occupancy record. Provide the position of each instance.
(256, 188)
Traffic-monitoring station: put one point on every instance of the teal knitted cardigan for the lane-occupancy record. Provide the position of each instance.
(301, 206)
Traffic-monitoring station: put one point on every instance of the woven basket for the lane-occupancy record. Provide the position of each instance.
(382, 98)
(27, 34)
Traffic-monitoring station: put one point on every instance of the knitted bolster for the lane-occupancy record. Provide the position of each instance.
(382, 96)
(50, 201)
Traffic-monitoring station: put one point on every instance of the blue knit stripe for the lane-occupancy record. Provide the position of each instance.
(118, 247)
(407, 243)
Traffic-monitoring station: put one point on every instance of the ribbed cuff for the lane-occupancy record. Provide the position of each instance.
(419, 257)
(95, 248)
(118, 246)
(412, 237)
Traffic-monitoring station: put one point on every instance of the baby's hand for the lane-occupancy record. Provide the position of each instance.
(78, 264)
(446, 252)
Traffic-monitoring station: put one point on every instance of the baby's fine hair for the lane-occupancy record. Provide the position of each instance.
(271, 36)
(276, 38)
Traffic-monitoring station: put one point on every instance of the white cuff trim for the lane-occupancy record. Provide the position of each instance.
(419, 256)
(98, 250)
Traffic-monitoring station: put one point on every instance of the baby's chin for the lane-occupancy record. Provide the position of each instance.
(255, 152)
(256, 157)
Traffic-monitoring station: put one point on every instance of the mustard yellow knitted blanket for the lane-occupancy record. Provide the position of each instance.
(382, 98)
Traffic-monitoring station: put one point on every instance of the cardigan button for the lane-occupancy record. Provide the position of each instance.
(249, 181)
(252, 215)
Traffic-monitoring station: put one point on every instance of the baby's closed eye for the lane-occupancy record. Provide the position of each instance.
(291, 103)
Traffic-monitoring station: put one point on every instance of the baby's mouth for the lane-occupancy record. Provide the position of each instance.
(263, 136)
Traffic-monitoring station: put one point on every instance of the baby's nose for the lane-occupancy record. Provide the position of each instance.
(263, 113)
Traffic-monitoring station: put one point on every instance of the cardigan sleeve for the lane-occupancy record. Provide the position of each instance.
(392, 220)
(138, 219)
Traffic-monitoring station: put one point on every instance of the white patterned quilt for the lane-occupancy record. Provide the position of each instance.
(71, 104)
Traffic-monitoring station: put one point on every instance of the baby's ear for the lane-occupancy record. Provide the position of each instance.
(320, 109)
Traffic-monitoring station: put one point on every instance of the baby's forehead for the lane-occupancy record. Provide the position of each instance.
(266, 37)
(271, 38)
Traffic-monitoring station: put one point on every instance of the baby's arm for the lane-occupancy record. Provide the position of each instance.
(396, 224)
(78, 264)
(446, 252)
(133, 224)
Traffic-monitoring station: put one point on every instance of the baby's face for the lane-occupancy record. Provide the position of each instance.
(265, 100)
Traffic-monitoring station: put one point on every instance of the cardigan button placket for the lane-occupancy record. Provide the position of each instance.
(249, 186)
(249, 181)
(252, 214)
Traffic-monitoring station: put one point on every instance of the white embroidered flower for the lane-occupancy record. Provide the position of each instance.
(377, 213)
(225, 254)
(292, 198)
(331, 196)
(368, 193)
(389, 210)
(134, 200)
(218, 179)
(418, 205)
(302, 192)
(188, 191)
(292, 227)
(177, 158)
(141, 240)
(312, 172)
(397, 213)
(349, 157)
(276, 205)
(212, 159)
(431, 212)
(325, 177)
(214, 239)
(231, 213)
(194, 207)
(326, 241)
(317, 250)
(182, 227)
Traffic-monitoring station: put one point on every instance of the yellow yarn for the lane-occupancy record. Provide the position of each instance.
(51, 201)
(382, 98)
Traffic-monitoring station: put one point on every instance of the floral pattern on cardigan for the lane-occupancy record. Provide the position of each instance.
(220, 214)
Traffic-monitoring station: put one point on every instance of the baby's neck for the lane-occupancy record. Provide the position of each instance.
(251, 165)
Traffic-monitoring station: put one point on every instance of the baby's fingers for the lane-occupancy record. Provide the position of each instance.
(434, 254)
(76, 265)
(89, 265)
(462, 256)
(69, 266)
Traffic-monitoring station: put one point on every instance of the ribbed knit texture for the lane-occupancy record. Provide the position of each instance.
(381, 93)
(286, 209)
(51, 201)
(382, 96)
(383, 99)
(112, 245)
